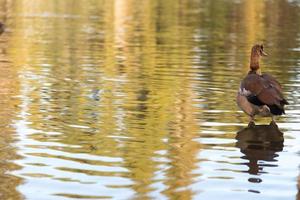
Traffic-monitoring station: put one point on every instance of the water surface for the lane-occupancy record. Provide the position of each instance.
(136, 100)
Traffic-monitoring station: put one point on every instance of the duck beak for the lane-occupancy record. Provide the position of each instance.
(263, 53)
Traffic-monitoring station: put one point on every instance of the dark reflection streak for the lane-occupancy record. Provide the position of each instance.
(259, 143)
(142, 106)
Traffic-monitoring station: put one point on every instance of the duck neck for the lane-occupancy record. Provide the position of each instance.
(254, 63)
(254, 72)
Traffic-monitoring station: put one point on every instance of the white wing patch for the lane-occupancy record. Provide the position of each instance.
(244, 92)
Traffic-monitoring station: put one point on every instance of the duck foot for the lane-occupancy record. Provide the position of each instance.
(251, 124)
(273, 123)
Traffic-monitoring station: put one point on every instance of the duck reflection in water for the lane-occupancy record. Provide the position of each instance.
(259, 143)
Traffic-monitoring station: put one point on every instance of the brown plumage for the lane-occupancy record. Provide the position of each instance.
(260, 94)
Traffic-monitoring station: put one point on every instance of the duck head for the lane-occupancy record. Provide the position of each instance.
(256, 53)
(258, 50)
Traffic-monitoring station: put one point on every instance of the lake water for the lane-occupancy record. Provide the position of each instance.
(136, 100)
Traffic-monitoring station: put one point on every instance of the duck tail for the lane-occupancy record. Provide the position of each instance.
(284, 102)
(276, 110)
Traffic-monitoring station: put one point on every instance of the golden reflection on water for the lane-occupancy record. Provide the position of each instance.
(135, 99)
(9, 86)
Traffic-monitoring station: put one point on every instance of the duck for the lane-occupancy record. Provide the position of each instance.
(260, 94)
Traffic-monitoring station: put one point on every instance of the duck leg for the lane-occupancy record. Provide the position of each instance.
(251, 121)
(273, 123)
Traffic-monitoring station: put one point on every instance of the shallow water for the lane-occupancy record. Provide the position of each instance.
(136, 100)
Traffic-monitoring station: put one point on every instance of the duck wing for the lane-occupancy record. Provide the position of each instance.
(274, 83)
(264, 90)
